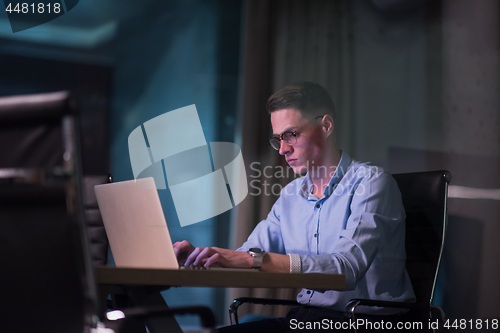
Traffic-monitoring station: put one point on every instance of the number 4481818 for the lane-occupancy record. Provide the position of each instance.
(471, 324)
(39, 8)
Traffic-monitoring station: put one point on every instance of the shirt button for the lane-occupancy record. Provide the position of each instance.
(318, 205)
(308, 291)
(315, 235)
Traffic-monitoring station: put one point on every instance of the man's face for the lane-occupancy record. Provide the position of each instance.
(308, 151)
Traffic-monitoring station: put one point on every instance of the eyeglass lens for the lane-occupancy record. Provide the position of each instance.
(288, 137)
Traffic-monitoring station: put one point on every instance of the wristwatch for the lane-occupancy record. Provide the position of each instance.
(258, 256)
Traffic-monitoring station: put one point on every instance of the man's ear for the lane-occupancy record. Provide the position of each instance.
(328, 125)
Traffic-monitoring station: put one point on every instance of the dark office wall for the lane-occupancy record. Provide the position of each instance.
(393, 59)
(91, 86)
(425, 97)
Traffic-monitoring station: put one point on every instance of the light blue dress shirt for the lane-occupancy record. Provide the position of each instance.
(357, 228)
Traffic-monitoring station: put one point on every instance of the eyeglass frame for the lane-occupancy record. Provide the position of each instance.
(293, 133)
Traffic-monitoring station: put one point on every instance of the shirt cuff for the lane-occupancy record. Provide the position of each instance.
(295, 263)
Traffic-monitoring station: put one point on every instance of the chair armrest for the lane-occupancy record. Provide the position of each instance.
(350, 308)
(437, 312)
(233, 308)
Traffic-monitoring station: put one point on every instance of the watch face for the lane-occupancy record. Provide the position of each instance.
(256, 250)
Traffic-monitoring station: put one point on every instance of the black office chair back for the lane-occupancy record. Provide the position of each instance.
(424, 199)
(31, 130)
(46, 284)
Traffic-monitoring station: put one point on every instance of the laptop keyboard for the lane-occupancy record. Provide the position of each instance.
(202, 268)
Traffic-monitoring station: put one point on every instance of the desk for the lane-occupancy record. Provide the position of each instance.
(139, 284)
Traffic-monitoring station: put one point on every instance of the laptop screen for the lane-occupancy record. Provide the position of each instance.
(135, 224)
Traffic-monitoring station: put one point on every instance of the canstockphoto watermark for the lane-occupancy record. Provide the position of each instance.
(328, 324)
(263, 179)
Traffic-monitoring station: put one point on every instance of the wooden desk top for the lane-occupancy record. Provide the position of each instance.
(216, 278)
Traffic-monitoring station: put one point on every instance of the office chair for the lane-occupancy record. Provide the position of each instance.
(40, 216)
(47, 282)
(424, 197)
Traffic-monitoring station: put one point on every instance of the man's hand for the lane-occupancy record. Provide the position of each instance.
(182, 250)
(217, 257)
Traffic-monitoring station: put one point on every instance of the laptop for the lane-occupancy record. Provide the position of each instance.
(136, 227)
(135, 224)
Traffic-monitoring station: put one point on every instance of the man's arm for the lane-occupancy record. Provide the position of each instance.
(266, 236)
(277, 263)
(188, 255)
(216, 256)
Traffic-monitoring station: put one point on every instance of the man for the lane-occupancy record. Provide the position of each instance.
(343, 217)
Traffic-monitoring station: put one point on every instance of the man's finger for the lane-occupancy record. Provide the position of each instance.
(183, 247)
(205, 253)
(178, 248)
(212, 260)
(192, 257)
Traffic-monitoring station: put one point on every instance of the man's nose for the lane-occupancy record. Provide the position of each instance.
(284, 147)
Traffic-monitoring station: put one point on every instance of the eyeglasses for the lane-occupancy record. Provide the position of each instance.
(290, 138)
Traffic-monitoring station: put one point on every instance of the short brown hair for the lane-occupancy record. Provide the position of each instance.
(307, 97)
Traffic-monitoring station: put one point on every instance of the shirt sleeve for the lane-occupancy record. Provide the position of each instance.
(267, 234)
(376, 214)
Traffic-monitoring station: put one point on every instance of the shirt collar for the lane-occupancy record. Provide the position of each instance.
(340, 171)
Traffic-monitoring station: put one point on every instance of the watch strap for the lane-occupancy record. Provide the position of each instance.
(295, 263)
(258, 257)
